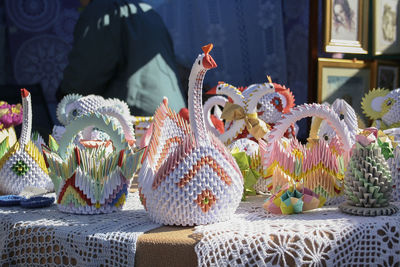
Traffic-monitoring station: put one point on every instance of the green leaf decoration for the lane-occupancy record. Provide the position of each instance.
(4, 147)
(53, 144)
(386, 150)
(35, 136)
(250, 175)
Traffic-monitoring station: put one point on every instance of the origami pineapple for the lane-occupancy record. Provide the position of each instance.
(368, 182)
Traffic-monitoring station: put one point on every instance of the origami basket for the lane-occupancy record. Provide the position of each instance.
(94, 177)
(321, 130)
(320, 167)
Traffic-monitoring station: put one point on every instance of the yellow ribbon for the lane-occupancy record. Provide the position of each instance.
(256, 127)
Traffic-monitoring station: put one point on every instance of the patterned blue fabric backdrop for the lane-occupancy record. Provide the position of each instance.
(2, 45)
(40, 37)
(251, 39)
(248, 37)
(296, 22)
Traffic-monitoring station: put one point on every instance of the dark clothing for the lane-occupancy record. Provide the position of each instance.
(122, 49)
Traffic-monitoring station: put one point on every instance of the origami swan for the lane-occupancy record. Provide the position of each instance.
(23, 164)
(188, 177)
(238, 125)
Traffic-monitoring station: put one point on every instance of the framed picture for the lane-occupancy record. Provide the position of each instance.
(346, 26)
(386, 27)
(346, 79)
(385, 74)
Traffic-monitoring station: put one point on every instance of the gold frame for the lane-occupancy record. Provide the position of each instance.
(349, 67)
(375, 72)
(360, 46)
(378, 49)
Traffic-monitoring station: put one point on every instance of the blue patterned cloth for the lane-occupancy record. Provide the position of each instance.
(251, 39)
(2, 46)
(40, 37)
(247, 36)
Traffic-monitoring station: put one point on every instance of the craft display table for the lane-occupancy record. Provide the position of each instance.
(323, 237)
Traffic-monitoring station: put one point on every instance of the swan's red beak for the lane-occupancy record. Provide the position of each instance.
(212, 91)
(24, 93)
(208, 62)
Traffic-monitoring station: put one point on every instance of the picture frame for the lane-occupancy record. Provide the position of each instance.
(346, 26)
(385, 74)
(386, 21)
(346, 79)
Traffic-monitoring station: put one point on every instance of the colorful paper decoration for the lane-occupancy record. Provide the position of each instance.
(273, 105)
(213, 102)
(368, 182)
(236, 124)
(10, 115)
(383, 106)
(320, 129)
(247, 155)
(320, 167)
(293, 199)
(188, 177)
(394, 164)
(252, 94)
(75, 105)
(93, 177)
(21, 162)
(141, 125)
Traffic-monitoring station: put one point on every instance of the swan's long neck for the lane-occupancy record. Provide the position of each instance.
(254, 95)
(235, 94)
(26, 121)
(196, 106)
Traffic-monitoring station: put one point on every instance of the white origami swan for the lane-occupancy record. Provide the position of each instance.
(23, 164)
(188, 177)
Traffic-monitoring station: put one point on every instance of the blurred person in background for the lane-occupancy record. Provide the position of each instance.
(123, 49)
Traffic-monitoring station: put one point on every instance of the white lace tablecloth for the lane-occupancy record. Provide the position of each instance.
(322, 237)
(46, 236)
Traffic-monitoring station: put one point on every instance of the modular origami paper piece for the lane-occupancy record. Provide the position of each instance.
(368, 181)
(250, 111)
(142, 126)
(237, 125)
(247, 155)
(10, 115)
(383, 106)
(94, 176)
(394, 164)
(188, 177)
(320, 129)
(293, 199)
(21, 162)
(271, 106)
(73, 106)
(321, 167)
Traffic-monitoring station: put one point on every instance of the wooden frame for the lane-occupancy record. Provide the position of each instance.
(386, 33)
(346, 26)
(346, 79)
(385, 74)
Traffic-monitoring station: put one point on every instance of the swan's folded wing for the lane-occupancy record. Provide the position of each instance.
(169, 130)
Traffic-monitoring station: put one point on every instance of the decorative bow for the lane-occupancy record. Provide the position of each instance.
(256, 127)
